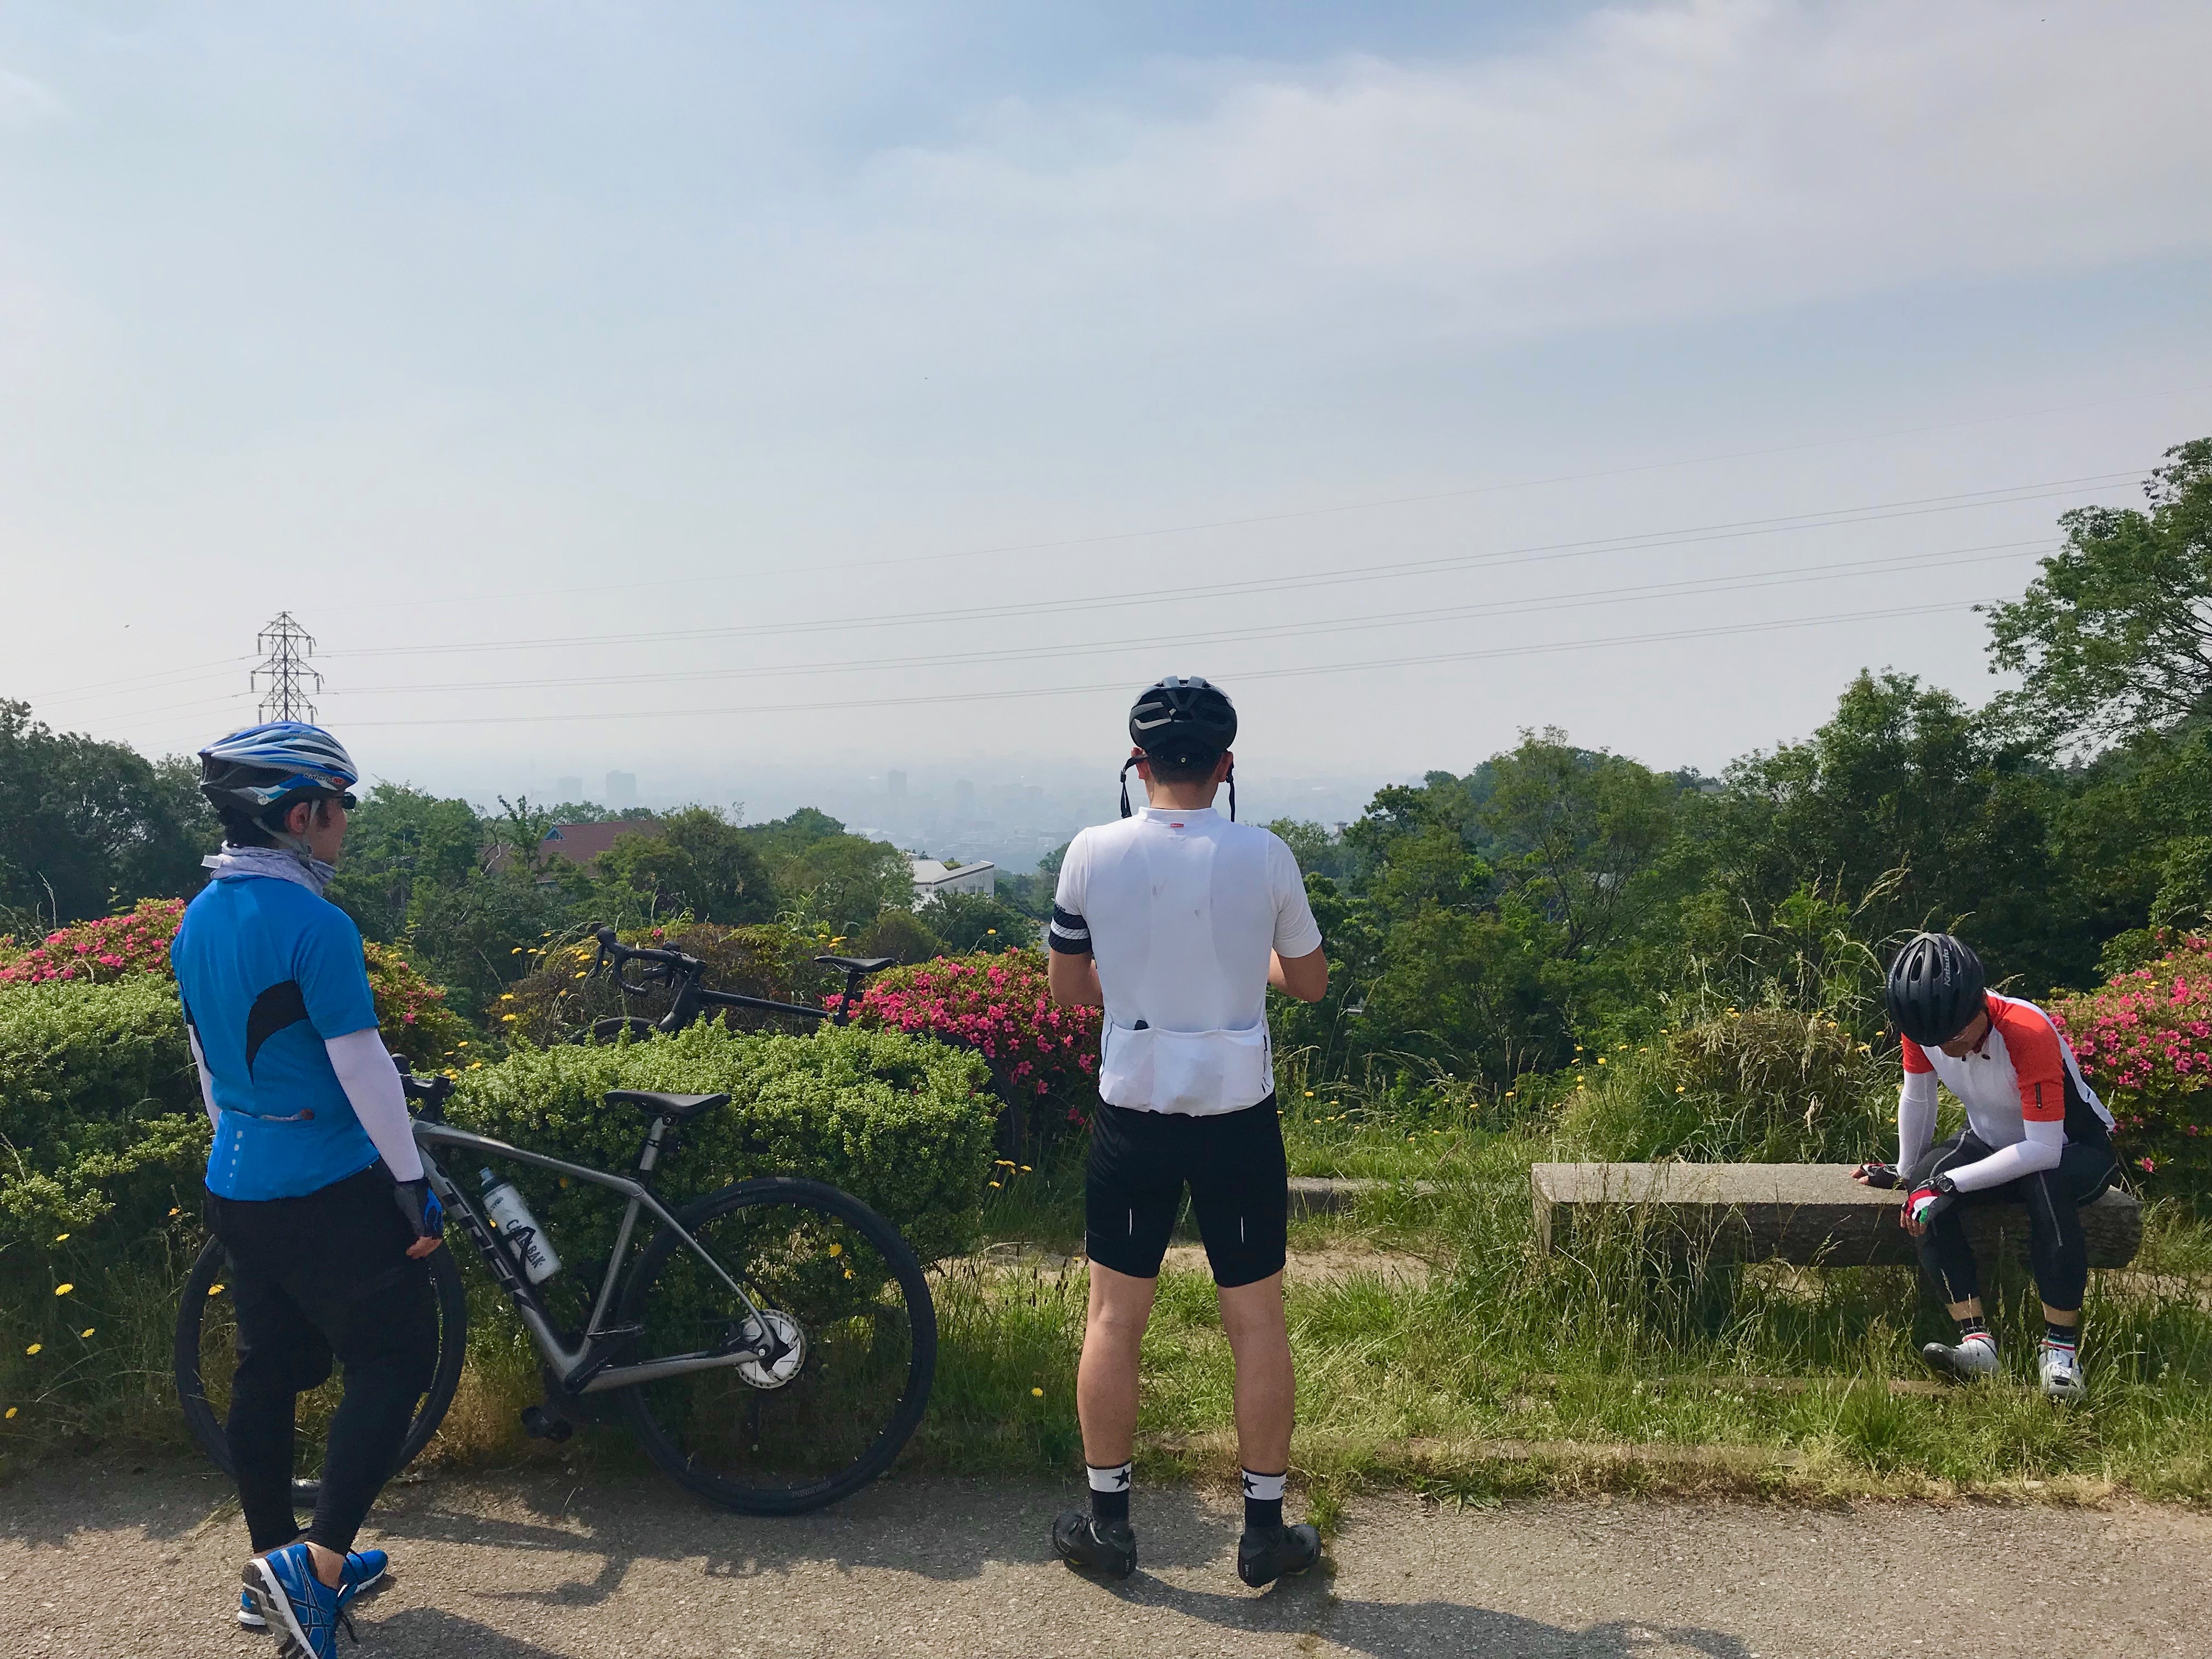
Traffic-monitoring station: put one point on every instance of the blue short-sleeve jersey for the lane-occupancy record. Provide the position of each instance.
(267, 970)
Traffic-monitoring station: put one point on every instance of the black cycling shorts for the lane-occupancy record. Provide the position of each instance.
(1239, 1183)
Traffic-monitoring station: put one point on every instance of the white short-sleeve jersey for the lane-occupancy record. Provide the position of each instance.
(1182, 907)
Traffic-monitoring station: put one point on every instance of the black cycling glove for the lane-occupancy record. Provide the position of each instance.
(1930, 1199)
(420, 1206)
(1879, 1174)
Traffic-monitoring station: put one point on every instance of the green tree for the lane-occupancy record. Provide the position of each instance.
(400, 840)
(843, 881)
(976, 922)
(86, 825)
(695, 862)
(2116, 635)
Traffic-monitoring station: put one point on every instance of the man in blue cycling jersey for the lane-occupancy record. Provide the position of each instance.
(1176, 921)
(314, 1184)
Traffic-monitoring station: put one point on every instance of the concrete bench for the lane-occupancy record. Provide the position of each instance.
(1811, 1214)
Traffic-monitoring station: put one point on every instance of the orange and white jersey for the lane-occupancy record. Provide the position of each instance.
(2020, 1083)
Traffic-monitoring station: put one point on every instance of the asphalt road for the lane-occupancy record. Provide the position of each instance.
(98, 1561)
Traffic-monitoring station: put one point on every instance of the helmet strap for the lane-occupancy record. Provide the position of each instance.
(1232, 791)
(1126, 765)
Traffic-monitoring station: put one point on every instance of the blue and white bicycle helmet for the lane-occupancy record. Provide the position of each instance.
(264, 767)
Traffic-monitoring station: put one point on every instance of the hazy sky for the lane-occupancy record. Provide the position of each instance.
(910, 383)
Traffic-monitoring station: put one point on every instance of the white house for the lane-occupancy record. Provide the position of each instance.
(934, 875)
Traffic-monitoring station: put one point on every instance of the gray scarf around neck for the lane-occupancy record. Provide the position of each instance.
(236, 863)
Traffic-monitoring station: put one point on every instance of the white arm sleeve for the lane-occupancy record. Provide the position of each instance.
(2045, 1145)
(207, 1083)
(1916, 1118)
(1297, 933)
(371, 1083)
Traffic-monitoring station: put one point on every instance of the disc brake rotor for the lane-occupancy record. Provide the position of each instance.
(772, 1373)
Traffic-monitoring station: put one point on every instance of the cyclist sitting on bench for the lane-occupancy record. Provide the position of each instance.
(2036, 1136)
(1176, 921)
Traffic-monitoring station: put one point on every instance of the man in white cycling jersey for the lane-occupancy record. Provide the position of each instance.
(1175, 921)
(315, 1185)
(2036, 1136)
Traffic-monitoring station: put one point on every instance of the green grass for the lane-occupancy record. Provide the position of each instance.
(1492, 1371)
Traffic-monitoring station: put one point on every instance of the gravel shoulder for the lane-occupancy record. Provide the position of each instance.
(99, 1560)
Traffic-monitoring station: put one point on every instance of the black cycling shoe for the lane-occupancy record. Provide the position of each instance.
(1266, 1553)
(1082, 1542)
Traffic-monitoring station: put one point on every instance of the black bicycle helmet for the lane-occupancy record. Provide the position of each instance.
(1182, 720)
(1936, 986)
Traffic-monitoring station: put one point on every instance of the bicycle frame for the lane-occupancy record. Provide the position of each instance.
(587, 1368)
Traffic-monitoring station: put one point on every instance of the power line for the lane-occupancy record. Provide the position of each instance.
(1888, 613)
(1371, 504)
(1698, 586)
(1641, 542)
(285, 668)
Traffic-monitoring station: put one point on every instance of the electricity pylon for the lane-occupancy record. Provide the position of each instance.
(285, 671)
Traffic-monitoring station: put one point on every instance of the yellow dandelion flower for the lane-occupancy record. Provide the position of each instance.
(176, 1212)
(506, 996)
(1036, 1393)
(848, 1273)
(510, 1018)
(59, 1237)
(516, 952)
(215, 1290)
(87, 1331)
(995, 1184)
(836, 1249)
(1026, 1168)
(990, 930)
(1509, 1094)
(1681, 1089)
(63, 1289)
(34, 1347)
(11, 1411)
(476, 1065)
(1601, 1060)
(1309, 1094)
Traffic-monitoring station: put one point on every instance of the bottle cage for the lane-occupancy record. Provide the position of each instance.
(1134, 759)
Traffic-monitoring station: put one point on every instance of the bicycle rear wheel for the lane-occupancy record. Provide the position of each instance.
(856, 1328)
(207, 1354)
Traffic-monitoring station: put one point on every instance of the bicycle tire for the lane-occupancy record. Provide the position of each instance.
(206, 1428)
(662, 1443)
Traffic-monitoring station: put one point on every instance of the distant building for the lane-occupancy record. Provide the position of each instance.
(935, 876)
(622, 790)
(582, 843)
(568, 789)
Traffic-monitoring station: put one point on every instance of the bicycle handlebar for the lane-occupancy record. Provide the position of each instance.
(432, 1091)
(665, 964)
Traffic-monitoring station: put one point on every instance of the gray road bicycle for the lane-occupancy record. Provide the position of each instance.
(772, 1344)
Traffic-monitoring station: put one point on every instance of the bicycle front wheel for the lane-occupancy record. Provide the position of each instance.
(207, 1354)
(839, 1389)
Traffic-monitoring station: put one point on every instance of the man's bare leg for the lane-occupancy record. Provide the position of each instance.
(1267, 1397)
(1106, 1377)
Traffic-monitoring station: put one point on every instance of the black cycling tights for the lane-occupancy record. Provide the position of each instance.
(2053, 1199)
(317, 1277)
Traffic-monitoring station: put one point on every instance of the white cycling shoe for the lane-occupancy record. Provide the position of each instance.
(1974, 1360)
(2060, 1370)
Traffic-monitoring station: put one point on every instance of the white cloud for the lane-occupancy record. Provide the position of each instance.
(1648, 163)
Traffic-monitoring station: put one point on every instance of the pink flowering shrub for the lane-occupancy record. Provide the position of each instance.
(99, 951)
(2145, 1043)
(1043, 1058)
(410, 1008)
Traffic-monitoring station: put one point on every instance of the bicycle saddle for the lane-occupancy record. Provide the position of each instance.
(858, 964)
(681, 1107)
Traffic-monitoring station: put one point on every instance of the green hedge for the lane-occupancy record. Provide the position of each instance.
(901, 1123)
(98, 1105)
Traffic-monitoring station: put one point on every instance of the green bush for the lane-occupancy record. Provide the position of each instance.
(901, 1123)
(99, 1107)
(560, 995)
(1761, 1085)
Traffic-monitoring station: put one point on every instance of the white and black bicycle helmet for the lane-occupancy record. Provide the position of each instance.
(1936, 986)
(262, 771)
(1182, 720)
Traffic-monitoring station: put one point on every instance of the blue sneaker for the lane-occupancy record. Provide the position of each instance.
(298, 1608)
(364, 1574)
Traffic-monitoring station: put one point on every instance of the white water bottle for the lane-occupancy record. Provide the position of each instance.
(518, 1228)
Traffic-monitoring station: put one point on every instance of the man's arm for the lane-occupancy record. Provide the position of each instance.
(1304, 977)
(1074, 979)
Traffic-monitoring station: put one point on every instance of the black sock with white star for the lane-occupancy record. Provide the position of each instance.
(1110, 1492)
(1263, 1498)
